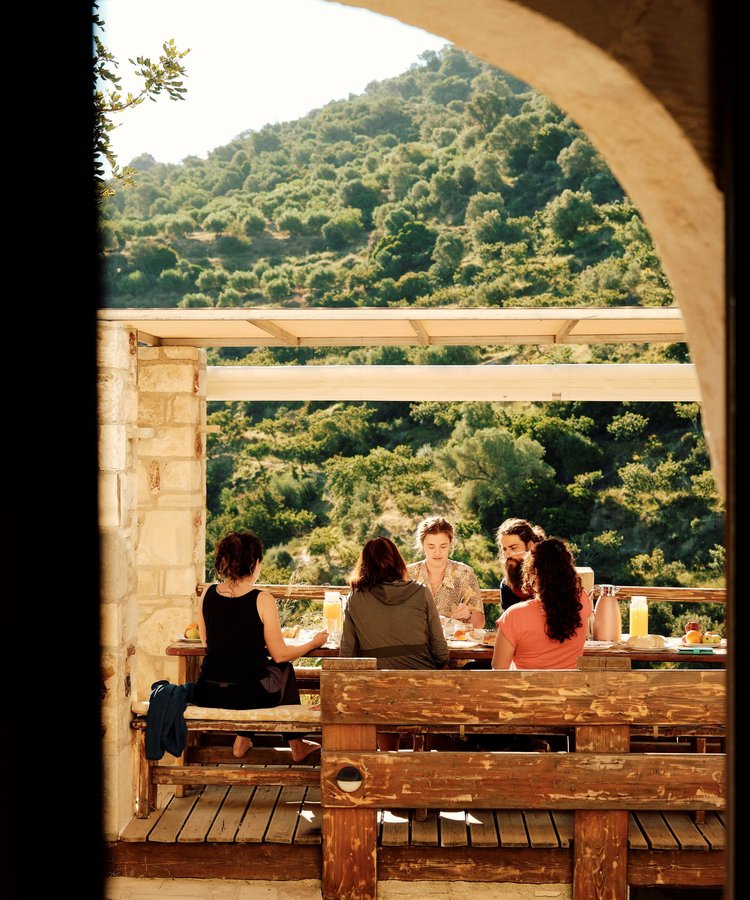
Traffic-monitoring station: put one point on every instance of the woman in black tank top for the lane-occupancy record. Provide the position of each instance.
(248, 662)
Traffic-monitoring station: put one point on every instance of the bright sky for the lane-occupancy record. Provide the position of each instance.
(251, 63)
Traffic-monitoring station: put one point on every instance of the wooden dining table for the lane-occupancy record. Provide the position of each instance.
(190, 654)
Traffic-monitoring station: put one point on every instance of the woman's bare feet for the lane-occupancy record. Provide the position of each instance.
(301, 749)
(241, 746)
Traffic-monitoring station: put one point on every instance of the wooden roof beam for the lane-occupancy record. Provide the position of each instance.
(277, 331)
(421, 332)
(669, 382)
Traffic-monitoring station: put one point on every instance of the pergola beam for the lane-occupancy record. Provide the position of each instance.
(367, 327)
(671, 382)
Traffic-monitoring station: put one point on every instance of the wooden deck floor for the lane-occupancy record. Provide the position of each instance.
(240, 832)
(291, 815)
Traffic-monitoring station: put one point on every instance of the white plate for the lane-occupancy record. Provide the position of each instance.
(462, 645)
(682, 643)
(189, 640)
(599, 645)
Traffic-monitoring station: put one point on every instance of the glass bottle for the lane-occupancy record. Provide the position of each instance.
(638, 616)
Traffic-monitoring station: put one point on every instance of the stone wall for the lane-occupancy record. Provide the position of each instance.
(170, 554)
(152, 489)
(118, 407)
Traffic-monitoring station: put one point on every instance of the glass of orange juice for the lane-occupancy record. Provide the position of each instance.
(638, 616)
(332, 613)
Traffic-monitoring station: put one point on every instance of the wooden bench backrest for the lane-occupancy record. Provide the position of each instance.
(600, 706)
(533, 698)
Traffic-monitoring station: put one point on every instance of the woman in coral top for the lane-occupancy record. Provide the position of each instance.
(549, 630)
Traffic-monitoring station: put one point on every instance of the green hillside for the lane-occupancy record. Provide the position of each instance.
(452, 184)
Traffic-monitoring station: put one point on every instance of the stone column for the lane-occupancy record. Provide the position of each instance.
(118, 405)
(171, 466)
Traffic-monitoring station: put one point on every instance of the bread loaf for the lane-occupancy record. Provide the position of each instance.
(646, 642)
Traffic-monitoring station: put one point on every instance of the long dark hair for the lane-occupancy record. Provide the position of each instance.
(237, 554)
(379, 561)
(549, 570)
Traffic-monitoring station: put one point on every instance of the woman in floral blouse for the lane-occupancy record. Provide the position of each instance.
(453, 584)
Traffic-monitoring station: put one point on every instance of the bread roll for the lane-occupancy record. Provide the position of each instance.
(646, 642)
(290, 631)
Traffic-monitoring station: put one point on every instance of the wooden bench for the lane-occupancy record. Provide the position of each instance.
(600, 783)
(198, 766)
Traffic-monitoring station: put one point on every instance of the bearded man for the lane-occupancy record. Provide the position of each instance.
(514, 538)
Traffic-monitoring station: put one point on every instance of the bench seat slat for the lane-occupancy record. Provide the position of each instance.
(296, 713)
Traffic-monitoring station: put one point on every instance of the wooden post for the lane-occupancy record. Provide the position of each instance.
(145, 792)
(349, 835)
(600, 839)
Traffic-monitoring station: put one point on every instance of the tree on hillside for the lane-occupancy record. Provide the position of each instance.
(163, 75)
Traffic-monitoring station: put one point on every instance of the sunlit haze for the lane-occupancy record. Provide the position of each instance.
(251, 63)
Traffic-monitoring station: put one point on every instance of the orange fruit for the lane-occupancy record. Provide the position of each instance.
(693, 637)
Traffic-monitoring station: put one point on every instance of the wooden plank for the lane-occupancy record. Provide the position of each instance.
(636, 839)
(145, 796)
(453, 831)
(286, 815)
(203, 814)
(677, 868)
(456, 780)
(394, 831)
(424, 832)
(657, 833)
(600, 837)
(563, 820)
(714, 831)
(137, 830)
(511, 828)
(536, 698)
(281, 775)
(229, 817)
(482, 828)
(172, 819)
(303, 592)
(241, 862)
(540, 828)
(685, 830)
(310, 818)
(477, 864)
(650, 382)
(258, 814)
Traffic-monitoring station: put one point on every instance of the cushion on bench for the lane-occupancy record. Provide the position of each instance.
(288, 713)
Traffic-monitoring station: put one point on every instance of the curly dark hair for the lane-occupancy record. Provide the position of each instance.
(380, 561)
(237, 554)
(549, 570)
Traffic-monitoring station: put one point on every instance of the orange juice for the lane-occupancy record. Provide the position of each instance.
(638, 617)
(332, 610)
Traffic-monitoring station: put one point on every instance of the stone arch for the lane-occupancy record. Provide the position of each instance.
(601, 67)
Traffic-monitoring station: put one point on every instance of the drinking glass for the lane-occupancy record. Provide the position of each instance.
(332, 615)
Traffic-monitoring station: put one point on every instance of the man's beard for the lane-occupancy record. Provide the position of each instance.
(514, 574)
